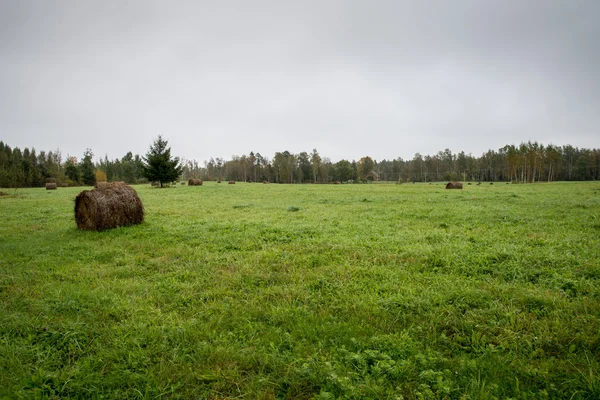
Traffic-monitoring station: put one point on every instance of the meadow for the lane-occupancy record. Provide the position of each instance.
(253, 291)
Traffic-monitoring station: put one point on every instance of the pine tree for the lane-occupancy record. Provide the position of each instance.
(88, 171)
(158, 165)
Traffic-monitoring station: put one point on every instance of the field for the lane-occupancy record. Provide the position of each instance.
(305, 291)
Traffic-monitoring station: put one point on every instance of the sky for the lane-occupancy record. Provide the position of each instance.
(377, 78)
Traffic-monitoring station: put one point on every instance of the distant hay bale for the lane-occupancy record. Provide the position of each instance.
(219, 181)
(64, 185)
(231, 182)
(195, 182)
(266, 182)
(155, 184)
(51, 186)
(454, 185)
(108, 206)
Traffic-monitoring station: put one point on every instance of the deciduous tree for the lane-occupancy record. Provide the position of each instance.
(365, 165)
(71, 170)
(344, 171)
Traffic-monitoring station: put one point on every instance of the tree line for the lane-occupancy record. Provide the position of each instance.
(527, 162)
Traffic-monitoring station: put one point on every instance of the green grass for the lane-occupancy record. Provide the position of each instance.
(305, 291)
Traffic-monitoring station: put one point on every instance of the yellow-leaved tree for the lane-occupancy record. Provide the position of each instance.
(100, 176)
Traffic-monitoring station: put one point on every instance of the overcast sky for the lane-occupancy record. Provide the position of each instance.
(219, 78)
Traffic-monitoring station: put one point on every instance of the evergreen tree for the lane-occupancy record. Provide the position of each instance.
(36, 177)
(88, 172)
(128, 168)
(158, 165)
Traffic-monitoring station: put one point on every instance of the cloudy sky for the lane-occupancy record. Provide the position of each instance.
(350, 78)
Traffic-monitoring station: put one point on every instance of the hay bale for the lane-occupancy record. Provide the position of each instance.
(454, 185)
(266, 182)
(155, 184)
(108, 206)
(195, 182)
(51, 186)
(107, 184)
(231, 183)
(64, 185)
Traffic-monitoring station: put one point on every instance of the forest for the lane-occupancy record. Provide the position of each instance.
(525, 163)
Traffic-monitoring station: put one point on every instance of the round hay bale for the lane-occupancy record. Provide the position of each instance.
(107, 184)
(51, 186)
(454, 185)
(195, 182)
(231, 182)
(108, 206)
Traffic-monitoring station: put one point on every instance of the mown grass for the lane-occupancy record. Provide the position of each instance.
(305, 291)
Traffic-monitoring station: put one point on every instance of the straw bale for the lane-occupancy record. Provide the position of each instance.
(454, 185)
(108, 206)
